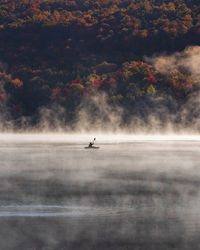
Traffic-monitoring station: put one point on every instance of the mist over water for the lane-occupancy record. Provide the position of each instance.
(135, 192)
(75, 72)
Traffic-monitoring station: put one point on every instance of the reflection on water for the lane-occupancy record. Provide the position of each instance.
(134, 195)
(42, 211)
(55, 210)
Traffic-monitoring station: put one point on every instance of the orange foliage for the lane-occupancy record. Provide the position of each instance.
(17, 82)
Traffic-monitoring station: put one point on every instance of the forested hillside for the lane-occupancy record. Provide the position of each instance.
(62, 53)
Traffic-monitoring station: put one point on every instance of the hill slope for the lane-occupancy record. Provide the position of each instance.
(58, 53)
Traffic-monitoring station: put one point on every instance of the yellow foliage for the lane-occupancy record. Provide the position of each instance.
(151, 90)
(76, 88)
(116, 98)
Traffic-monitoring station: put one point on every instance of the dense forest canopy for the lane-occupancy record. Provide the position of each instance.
(62, 53)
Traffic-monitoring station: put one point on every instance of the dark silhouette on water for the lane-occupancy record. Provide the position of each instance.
(91, 145)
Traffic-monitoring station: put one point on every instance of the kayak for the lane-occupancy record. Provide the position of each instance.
(93, 147)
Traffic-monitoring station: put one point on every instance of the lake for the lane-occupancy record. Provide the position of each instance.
(135, 192)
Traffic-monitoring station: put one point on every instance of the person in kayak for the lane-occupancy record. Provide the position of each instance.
(91, 143)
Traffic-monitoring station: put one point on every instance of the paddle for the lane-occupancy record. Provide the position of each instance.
(94, 140)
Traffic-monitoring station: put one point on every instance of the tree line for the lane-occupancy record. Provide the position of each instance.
(58, 51)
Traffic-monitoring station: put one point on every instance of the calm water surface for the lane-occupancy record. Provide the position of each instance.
(141, 195)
